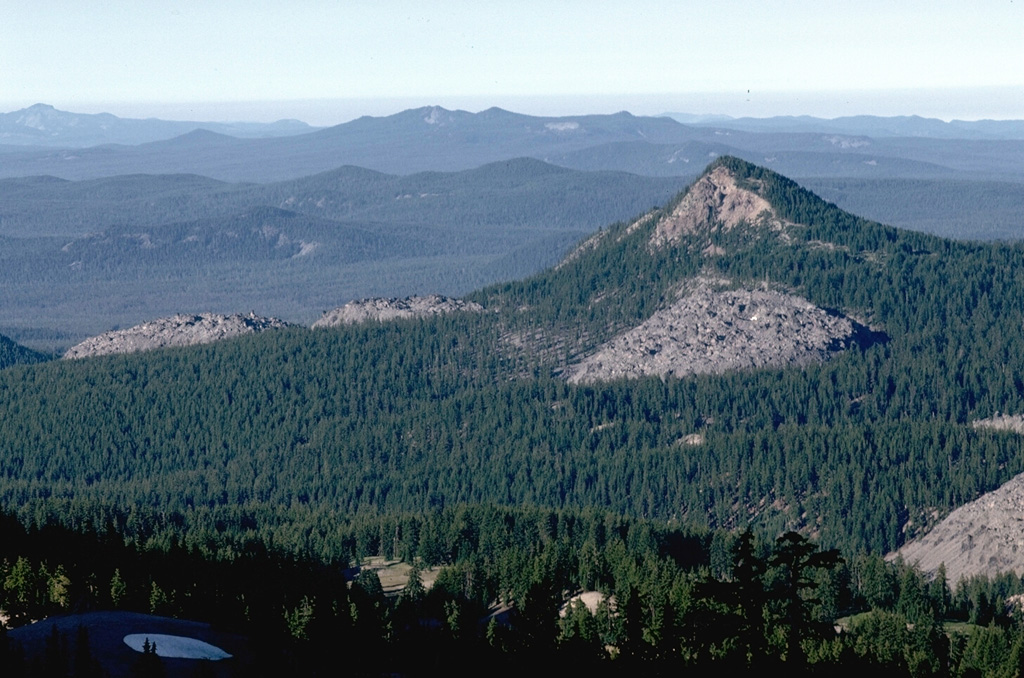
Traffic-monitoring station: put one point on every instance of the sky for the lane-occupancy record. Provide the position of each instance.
(328, 62)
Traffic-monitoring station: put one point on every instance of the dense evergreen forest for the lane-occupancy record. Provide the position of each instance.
(670, 599)
(406, 415)
(11, 353)
(420, 438)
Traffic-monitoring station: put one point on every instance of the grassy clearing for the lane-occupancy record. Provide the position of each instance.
(394, 574)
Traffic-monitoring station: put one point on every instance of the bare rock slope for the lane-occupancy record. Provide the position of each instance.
(712, 331)
(717, 203)
(985, 536)
(177, 330)
(390, 309)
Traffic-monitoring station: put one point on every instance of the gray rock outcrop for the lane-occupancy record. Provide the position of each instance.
(716, 203)
(711, 331)
(390, 309)
(985, 536)
(178, 330)
(1001, 422)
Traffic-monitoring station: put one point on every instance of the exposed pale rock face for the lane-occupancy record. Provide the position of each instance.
(1002, 422)
(711, 331)
(178, 330)
(985, 536)
(715, 201)
(390, 309)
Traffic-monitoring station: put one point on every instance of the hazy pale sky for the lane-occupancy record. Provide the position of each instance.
(326, 62)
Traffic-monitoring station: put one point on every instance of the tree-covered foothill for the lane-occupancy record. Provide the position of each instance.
(11, 353)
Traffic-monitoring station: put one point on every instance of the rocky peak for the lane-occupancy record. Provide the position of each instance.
(715, 202)
(177, 330)
(380, 309)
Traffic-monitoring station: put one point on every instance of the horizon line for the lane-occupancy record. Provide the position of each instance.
(1004, 103)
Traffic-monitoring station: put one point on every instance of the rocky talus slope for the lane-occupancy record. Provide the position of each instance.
(390, 309)
(178, 330)
(985, 536)
(711, 331)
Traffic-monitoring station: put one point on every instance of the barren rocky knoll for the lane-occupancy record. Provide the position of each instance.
(389, 309)
(712, 331)
(177, 330)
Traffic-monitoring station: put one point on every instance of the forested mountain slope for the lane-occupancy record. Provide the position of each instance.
(282, 433)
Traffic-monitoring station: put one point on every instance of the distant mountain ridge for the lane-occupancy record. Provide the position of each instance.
(868, 125)
(432, 138)
(44, 125)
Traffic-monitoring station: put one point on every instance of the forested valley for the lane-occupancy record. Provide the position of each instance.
(733, 517)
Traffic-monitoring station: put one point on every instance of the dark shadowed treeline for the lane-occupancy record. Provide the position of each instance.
(672, 599)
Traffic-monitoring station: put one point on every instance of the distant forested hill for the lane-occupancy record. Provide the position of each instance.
(12, 353)
(968, 210)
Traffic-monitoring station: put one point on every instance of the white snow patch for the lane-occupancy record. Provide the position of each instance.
(178, 647)
(436, 116)
(562, 126)
(846, 142)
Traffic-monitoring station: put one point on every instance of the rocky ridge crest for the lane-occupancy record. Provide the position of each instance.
(380, 309)
(177, 330)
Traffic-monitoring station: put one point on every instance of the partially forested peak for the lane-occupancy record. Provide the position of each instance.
(632, 300)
